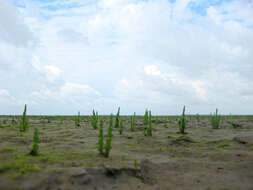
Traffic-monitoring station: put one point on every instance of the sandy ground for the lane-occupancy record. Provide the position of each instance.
(202, 159)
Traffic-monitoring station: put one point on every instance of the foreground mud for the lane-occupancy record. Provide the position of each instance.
(204, 158)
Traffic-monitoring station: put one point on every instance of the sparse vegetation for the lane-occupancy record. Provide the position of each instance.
(235, 124)
(131, 148)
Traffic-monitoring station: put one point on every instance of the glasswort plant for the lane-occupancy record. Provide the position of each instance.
(101, 138)
(182, 122)
(117, 119)
(35, 149)
(148, 130)
(94, 119)
(215, 120)
(108, 145)
(121, 127)
(77, 121)
(24, 121)
(145, 121)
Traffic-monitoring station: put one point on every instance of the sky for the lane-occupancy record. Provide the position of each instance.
(65, 56)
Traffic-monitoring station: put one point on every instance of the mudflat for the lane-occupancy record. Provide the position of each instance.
(202, 159)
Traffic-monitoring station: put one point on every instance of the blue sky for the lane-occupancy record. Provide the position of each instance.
(62, 56)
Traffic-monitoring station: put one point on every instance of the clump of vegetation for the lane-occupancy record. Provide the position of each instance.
(215, 120)
(101, 138)
(165, 123)
(156, 121)
(94, 120)
(222, 146)
(145, 121)
(117, 119)
(197, 117)
(62, 120)
(184, 139)
(148, 130)
(182, 122)
(108, 145)
(105, 150)
(35, 148)
(77, 121)
(13, 120)
(136, 165)
(24, 121)
(121, 127)
(235, 124)
(132, 123)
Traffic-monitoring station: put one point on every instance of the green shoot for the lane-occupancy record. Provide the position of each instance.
(77, 121)
(117, 119)
(145, 121)
(215, 120)
(121, 127)
(35, 149)
(94, 120)
(101, 138)
(182, 122)
(24, 121)
(148, 130)
(197, 117)
(108, 145)
(165, 123)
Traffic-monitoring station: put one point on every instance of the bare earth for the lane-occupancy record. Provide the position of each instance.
(202, 159)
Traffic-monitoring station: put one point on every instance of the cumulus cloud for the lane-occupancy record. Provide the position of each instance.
(70, 97)
(134, 54)
(12, 27)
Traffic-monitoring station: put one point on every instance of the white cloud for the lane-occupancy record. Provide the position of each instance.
(137, 54)
(69, 91)
(12, 27)
(73, 89)
(4, 92)
(151, 70)
(52, 72)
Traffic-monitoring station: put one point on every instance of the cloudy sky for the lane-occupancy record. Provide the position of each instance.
(61, 56)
